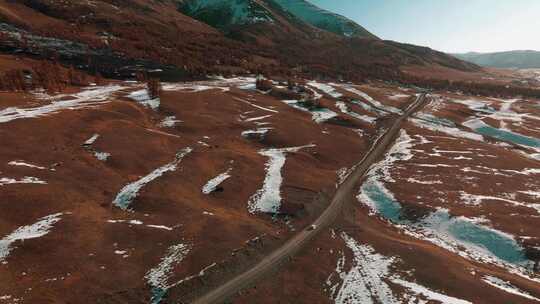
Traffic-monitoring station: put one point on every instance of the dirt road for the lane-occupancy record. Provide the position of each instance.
(283, 254)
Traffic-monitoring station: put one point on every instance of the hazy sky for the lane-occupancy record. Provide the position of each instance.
(448, 25)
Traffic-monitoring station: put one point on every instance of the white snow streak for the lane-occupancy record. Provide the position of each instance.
(365, 280)
(255, 106)
(455, 132)
(25, 164)
(212, 184)
(91, 140)
(318, 116)
(507, 287)
(25, 180)
(36, 230)
(103, 156)
(345, 109)
(428, 293)
(218, 83)
(89, 97)
(143, 97)
(326, 88)
(476, 200)
(260, 132)
(169, 122)
(374, 102)
(400, 151)
(139, 223)
(158, 277)
(127, 194)
(257, 118)
(268, 198)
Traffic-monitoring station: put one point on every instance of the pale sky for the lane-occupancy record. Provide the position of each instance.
(448, 25)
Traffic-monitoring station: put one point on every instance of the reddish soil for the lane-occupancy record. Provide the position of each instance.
(77, 261)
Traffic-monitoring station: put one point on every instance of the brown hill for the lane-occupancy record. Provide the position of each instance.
(117, 37)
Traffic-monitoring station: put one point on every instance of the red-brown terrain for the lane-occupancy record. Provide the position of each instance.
(113, 37)
(133, 191)
(95, 251)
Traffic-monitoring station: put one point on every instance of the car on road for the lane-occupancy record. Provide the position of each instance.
(312, 227)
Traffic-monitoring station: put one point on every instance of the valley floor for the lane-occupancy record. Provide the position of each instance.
(109, 196)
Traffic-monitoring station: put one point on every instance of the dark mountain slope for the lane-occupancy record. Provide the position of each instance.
(323, 19)
(117, 37)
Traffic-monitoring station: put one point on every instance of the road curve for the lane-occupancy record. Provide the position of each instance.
(282, 255)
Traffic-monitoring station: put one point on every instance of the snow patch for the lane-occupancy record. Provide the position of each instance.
(416, 181)
(476, 200)
(143, 97)
(25, 180)
(455, 132)
(260, 132)
(36, 230)
(257, 118)
(365, 280)
(169, 122)
(89, 97)
(91, 140)
(399, 96)
(214, 183)
(507, 287)
(428, 293)
(140, 223)
(345, 109)
(319, 115)
(400, 151)
(268, 198)
(255, 106)
(25, 164)
(369, 99)
(326, 88)
(158, 277)
(129, 192)
(102, 156)
(218, 83)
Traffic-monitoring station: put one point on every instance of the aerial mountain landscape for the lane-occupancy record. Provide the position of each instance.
(259, 151)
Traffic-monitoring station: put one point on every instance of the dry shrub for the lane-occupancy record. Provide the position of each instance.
(263, 84)
(153, 85)
(50, 76)
(13, 80)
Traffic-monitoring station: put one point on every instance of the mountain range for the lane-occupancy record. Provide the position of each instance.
(191, 38)
(512, 59)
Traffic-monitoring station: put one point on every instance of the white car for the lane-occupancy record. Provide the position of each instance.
(312, 227)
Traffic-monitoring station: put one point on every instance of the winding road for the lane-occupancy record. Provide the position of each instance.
(283, 254)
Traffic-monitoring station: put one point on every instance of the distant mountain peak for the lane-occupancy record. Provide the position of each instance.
(522, 59)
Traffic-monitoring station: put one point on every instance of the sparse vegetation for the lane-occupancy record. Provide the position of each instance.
(50, 76)
(263, 84)
(153, 86)
(310, 103)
